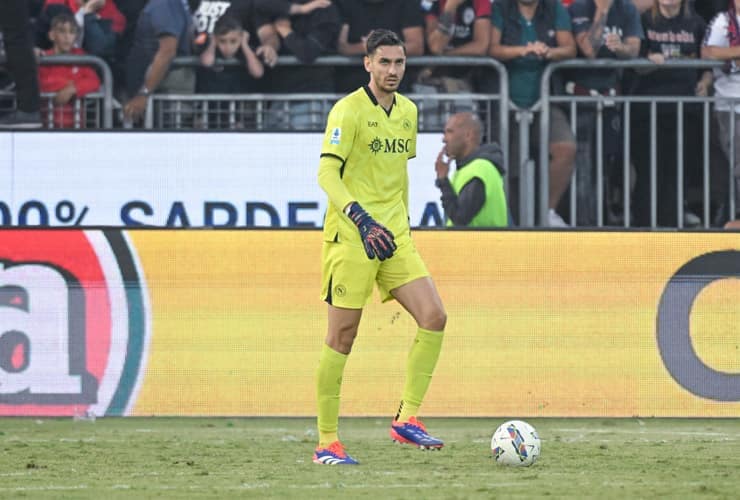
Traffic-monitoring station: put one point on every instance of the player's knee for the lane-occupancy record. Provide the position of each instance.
(341, 340)
(435, 320)
(341, 345)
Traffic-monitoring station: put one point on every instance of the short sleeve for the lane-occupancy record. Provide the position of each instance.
(562, 18)
(497, 17)
(716, 32)
(482, 8)
(580, 17)
(632, 26)
(340, 132)
(166, 21)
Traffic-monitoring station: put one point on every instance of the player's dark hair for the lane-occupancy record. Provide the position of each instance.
(226, 24)
(379, 37)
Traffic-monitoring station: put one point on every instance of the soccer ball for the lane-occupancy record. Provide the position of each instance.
(515, 443)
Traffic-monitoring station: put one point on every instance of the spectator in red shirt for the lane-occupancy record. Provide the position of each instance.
(67, 81)
(100, 24)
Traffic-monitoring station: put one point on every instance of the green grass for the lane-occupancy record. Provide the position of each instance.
(271, 458)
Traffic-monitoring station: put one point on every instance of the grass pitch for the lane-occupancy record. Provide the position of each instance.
(271, 458)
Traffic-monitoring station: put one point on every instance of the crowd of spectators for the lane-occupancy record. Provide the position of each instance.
(134, 35)
(140, 38)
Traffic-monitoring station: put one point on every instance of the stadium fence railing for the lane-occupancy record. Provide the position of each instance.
(593, 200)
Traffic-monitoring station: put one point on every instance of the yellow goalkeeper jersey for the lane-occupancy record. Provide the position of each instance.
(373, 148)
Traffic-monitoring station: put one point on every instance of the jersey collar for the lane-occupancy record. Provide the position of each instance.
(375, 101)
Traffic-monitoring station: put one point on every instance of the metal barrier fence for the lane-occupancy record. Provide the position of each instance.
(586, 201)
(264, 109)
(587, 187)
(95, 110)
(270, 111)
(82, 113)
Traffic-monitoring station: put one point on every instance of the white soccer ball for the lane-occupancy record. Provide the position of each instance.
(515, 443)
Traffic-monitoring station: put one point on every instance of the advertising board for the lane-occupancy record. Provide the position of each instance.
(229, 322)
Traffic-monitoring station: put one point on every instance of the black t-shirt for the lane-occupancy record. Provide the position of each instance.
(245, 11)
(362, 16)
(209, 11)
(676, 38)
(204, 20)
(226, 79)
(314, 35)
(707, 9)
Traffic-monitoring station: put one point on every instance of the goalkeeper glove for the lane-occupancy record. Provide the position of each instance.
(377, 239)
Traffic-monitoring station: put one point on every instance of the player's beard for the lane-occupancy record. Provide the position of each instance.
(389, 87)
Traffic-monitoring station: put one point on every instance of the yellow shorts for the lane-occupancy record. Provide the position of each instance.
(347, 275)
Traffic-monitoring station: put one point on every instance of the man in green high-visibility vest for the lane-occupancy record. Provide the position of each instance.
(474, 196)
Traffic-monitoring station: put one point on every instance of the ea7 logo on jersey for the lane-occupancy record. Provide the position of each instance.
(73, 327)
(395, 145)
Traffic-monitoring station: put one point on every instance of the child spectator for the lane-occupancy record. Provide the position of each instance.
(206, 16)
(100, 24)
(229, 42)
(67, 81)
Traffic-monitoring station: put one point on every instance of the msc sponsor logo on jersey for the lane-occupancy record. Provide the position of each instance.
(73, 327)
(389, 145)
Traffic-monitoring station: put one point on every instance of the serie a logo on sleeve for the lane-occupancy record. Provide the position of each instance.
(336, 136)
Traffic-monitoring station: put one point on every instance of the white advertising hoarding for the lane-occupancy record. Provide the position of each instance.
(178, 179)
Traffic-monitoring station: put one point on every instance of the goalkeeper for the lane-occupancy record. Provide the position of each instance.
(370, 136)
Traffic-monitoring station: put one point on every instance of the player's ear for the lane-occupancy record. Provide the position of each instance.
(366, 60)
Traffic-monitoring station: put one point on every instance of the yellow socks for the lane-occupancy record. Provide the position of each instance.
(328, 386)
(419, 369)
